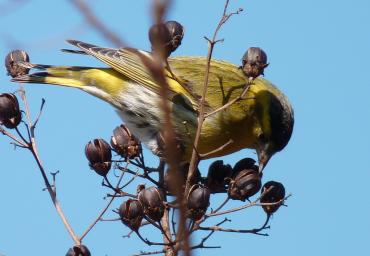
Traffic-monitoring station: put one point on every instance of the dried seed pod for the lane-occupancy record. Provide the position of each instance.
(10, 114)
(174, 180)
(99, 154)
(217, 173)
(197, 201)
(152, 201)
(254, 62)
(13, 68)
(246, 180)
(131, 213)
(78, 250)
(176, 31)
(160, 38)
(124, 143)
(275, 194)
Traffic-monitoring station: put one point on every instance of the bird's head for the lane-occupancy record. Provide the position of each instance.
(276, 118)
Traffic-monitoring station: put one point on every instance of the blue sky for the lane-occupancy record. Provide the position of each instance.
(318, 53)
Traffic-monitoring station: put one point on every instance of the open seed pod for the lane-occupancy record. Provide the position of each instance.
(124, 143)
(197, 201)
(275, 194)
(152, 201)
(10, 114)
(246, 180)
(99, 154)
(13, 68)
(217, 173)
(254, 62)
(176, 33)
(78, 250)
(131, 213)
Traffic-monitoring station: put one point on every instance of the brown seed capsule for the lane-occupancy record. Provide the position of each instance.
(197, 201)
(275, 194)
(124, 143)
(152, 201)
(10, 114)
(176, 33)
(78, 250)
(160, 38)
(131, 213)
(246, 180)
(99, 154)
(254, 62)
(13, 68)
(217, 173)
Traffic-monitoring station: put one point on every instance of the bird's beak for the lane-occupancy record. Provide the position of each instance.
(263, 158)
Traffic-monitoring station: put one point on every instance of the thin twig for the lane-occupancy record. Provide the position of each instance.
(240, 97)
(149, 253)
(204, 239)
(255, 203)
(97, 219)
(33, 148)
(211, 43)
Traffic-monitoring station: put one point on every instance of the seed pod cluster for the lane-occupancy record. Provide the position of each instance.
(152, 201)
(197, 201)
(13, 68)
(124, 143)
(275, 193)
(218, 173)
(166, 36)
(254, 62)
(78, 250)
(245, 181)
(99, 154)
(131, 213)
(10, 114)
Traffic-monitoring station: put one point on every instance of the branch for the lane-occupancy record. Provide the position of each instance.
(211, 43)
(33, 149)
(104, 209)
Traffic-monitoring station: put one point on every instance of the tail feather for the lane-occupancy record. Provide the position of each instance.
(57, 75)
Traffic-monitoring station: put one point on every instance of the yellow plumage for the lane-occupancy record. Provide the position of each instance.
(262, 121)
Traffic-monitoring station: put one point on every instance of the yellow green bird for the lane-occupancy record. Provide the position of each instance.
(263, 120)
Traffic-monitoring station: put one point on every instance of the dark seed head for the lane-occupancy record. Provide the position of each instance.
(275, 193)
(13, 68)
(176, 33)
(245, 181)
(254, 62)
(198, 201)
(160, 38)
(152, 201)
(217, 173)
(78, 250)
(166, 37)
(131, 213)
(10, 114)
(99, 154)
(124, 143)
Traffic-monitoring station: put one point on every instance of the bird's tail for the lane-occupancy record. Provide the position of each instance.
(57, 75)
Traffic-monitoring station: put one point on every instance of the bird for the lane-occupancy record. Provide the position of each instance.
(262, 120)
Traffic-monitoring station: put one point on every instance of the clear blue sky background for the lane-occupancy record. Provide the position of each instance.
(319, 55)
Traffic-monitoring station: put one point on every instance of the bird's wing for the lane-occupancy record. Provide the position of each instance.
(130, 63)
(226, 80)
